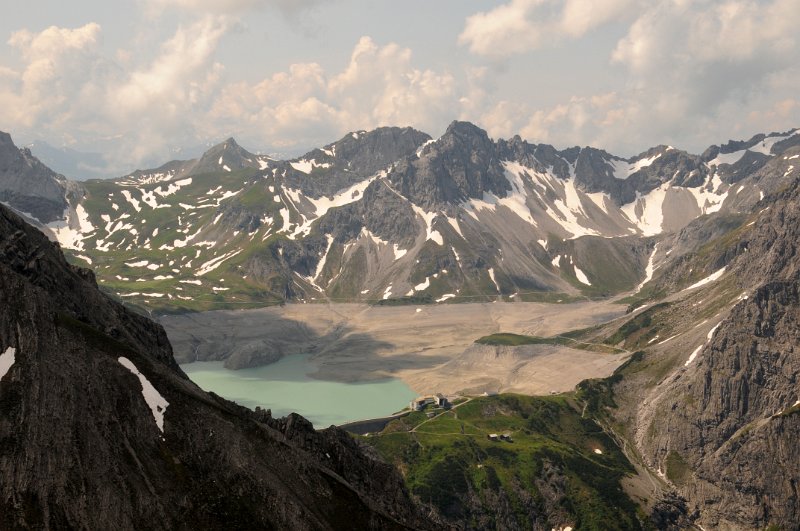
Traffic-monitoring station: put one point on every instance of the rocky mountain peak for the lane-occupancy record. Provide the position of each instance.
(463, 163)
(466, 135)
(356, 156)
(6, 141)
(28, 185)
(225, 156)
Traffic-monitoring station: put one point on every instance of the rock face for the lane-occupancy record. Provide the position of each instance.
(723, 426)
(28, 185)
(726, 432)
(100, 429)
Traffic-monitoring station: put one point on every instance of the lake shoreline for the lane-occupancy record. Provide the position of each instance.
(286, 387)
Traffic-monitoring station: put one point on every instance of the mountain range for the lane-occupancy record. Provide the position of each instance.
(703, 248)
(391, 215)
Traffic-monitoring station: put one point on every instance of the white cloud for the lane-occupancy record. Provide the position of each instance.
(277, 110)
(726, 67)
(689, 60)
(158, 103)
(59, 67)
(67, 89)
(228, 6)
(523, 25)
(689, 72)
(180, 96)
(379, 86)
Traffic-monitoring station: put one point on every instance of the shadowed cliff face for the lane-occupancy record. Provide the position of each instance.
(99, 429)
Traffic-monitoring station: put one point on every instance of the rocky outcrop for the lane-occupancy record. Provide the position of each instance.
(28, 185)
(460, 165)
(353, 158)
(100, 429)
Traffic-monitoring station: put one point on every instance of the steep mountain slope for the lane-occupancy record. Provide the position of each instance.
(712, 405)
(730, 444)
(393, 214)
(29, 186)
(99, 429)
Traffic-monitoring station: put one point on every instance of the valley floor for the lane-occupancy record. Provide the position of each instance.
(431, 348)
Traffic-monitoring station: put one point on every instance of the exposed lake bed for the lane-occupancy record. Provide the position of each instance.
(377, 353)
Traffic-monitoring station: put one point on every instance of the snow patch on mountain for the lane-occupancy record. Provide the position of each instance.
(694, 354)
(7, 361)
(765, 146)
(422, 286)
(71, 231)
(185, 241)
(398, 252)
(287, 222)
(624, 169)
(130, 199)
(307, 166)
(710, 278)
(323, 204)
(649, 270)
(709, 197)
(150, 178)
(456, 227)
(568, 210)
(323, 258)
(647, 211)
(602, 200)
(428, 218)
(517, 198)
(216, 262)
(581, 276)
(157, 403)
(494, 280)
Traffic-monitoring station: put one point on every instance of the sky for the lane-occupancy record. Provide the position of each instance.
(141, 80)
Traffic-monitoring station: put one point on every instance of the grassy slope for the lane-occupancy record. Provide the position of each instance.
(515, 340)
(175, 263)
(450, 463)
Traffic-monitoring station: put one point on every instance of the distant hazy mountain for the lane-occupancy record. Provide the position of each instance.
(74, 164)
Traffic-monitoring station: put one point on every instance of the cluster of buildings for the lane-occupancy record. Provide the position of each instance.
(503, 437)
(437, 400)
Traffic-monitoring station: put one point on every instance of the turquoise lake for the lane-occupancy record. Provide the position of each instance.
(286, 387)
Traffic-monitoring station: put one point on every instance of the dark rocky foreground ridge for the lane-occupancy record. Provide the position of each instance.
(81, 448)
